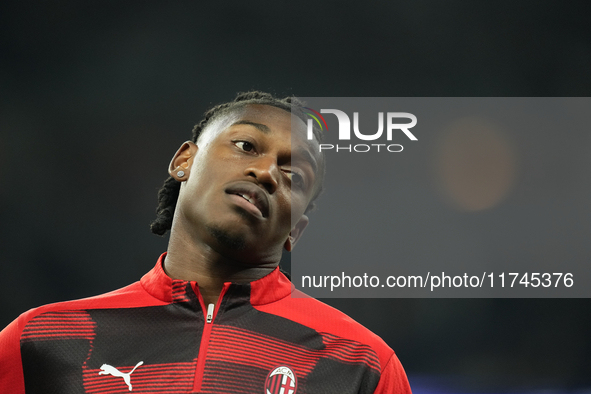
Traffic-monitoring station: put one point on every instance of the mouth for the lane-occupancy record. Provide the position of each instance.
(250, 197)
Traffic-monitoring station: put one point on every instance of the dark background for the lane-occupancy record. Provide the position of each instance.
(95, 97)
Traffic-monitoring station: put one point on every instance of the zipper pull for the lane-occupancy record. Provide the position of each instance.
(210, 308)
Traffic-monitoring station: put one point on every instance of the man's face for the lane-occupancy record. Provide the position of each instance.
(246, 178)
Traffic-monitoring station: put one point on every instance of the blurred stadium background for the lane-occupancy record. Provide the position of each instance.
(95, 97)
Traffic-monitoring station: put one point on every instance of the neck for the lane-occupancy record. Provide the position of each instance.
(194, 260)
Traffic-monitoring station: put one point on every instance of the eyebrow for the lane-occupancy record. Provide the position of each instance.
(259, 126)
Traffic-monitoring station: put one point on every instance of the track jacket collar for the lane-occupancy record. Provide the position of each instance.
(268, 289)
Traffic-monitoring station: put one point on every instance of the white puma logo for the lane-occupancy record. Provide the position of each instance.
(106, 369)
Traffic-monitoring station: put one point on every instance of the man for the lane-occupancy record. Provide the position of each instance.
(215, 315)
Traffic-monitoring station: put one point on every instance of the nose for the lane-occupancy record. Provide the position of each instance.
(265, 171)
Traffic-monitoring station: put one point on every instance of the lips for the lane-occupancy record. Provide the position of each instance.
(251, 193)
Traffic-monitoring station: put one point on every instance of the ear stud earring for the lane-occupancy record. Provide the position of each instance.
(180, 174)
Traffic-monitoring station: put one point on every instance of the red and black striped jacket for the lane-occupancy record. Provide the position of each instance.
(157, 336)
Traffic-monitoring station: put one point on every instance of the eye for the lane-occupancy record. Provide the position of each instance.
(296, 179)
(245, 146)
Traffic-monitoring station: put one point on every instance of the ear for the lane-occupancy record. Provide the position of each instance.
(180, 165)
(295, 233)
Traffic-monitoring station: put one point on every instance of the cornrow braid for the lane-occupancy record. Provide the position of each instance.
(169, 192)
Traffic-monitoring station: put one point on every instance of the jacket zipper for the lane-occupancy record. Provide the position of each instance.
(210, 309)
(210, 314)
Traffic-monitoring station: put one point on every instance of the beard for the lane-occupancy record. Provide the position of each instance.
(225, 238)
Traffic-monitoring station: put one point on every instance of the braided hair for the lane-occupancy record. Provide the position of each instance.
(169, 192)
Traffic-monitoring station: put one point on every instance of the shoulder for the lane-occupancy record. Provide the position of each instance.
(129, 296)
(59, 320)
(323, 318)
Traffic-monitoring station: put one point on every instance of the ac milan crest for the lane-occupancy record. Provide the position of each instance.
(281, 380)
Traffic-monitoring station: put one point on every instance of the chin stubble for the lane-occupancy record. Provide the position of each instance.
(230, 241)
